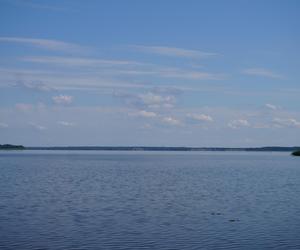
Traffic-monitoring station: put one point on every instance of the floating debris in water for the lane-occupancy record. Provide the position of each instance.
(233, 220)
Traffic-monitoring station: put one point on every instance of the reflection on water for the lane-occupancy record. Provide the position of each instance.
(115, 200)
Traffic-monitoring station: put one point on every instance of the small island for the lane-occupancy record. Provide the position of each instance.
(296, 153)
(11, 147)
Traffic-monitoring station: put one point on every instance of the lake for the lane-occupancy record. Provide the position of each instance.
(149, 200)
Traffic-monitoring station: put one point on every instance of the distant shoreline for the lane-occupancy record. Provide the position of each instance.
(11, 147)
(143, 148)
(146, 148)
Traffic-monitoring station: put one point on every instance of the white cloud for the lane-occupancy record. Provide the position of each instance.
(200, 117)
(153, 100)
(172, 51)
(235, 124)
(171, 121)
(286, 122)
(262, 72)
(48, 44)
(66, 124)
(62, 99)
(3, 125)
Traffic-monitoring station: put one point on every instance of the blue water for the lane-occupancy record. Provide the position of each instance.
(149, 200)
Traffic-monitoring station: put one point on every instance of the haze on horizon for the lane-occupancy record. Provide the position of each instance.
(150, 73)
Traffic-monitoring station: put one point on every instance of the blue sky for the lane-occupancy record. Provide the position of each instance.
(153, 73)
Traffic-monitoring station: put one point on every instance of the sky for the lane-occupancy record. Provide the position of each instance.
(200, 73)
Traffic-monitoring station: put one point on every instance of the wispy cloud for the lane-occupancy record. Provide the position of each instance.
(78, 61)
(62, 99)
(166, 72)
(200, 117)
(148, 100)
(124, 67)
(286, 122)
(153, 100)
(95, 79)
(65, 80)
(66, 124)
(235, 124)
(168, 120)
(173, 51)
(271, 106)
(145, 114)
(48, 44)
(262, 72)
(37, 126)
(33, 85)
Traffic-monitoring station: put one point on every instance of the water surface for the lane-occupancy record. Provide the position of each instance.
(149, 200)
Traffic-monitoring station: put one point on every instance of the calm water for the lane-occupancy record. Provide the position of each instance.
(119, 200)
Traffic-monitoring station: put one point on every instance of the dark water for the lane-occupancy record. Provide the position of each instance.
(100, 200)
